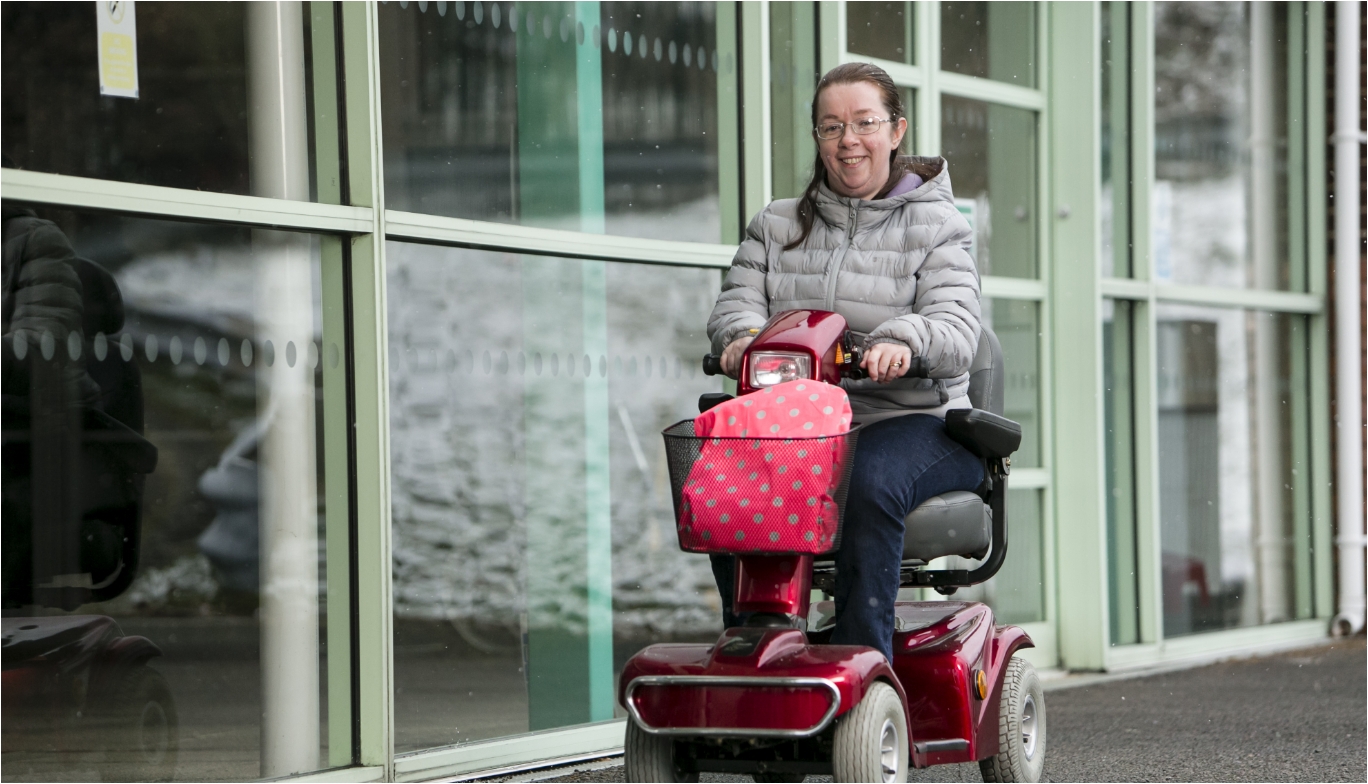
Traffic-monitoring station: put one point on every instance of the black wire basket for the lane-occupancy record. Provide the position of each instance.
(758, 495)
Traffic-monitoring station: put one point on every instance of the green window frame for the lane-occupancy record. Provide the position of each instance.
(1310, 441)
(1086, 624)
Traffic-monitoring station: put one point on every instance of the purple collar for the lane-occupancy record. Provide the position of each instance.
(910, 182)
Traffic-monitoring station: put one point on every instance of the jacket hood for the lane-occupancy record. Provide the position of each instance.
(14, 211)
(834, 208)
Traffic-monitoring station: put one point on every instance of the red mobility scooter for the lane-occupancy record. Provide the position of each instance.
(772, 697)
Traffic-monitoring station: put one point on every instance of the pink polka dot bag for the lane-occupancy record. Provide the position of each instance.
(764, 473)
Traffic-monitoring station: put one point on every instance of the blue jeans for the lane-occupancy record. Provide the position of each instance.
(899, 463)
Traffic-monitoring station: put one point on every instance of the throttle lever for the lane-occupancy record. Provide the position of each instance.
(852, 355)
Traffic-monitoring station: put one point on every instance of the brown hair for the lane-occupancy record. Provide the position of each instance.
(898, 166)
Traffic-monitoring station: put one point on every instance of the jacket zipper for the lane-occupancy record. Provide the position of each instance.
(839, 258)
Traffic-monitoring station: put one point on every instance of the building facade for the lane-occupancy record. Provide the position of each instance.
(353, 410)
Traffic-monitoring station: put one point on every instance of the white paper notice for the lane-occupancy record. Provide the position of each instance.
(118, 31)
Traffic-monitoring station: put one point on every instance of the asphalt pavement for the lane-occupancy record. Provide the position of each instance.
(1299, 716)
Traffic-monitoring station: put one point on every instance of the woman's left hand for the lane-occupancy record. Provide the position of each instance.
(887, 361)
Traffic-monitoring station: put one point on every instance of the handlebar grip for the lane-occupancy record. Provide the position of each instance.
(712, 365)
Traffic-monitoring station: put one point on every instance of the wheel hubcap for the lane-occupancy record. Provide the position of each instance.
(888, 751)
(154, 733)
(1029, 727)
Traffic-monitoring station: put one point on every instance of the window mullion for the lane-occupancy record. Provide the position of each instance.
(373, 642)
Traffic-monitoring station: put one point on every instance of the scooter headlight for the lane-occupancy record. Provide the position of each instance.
(770, 368)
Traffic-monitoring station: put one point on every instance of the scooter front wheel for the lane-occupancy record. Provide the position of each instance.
(871, 740)
(1021, 727)
(651, 758)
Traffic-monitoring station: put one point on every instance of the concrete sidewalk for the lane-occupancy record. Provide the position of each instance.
(1300, 716)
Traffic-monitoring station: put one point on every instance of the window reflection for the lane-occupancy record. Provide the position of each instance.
(1234, 527)
(990, 40)
(882, 30)
(534, 545)
(992, 154)
(554, 114)
(164, 497)
(1114, 202)
(206, 71)
(1017, 592)
(1017, 326)
(1220, 144)
(793, 80)
(1118, 402)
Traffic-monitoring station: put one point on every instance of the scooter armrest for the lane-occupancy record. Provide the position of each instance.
(982, 432)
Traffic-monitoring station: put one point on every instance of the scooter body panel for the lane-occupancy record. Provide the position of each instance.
(938, 649)
(812, 332)
(753, 682)
(60, 675)
(760, 682)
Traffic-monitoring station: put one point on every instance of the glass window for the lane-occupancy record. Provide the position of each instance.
(534, 542)
(1233, 523)
(1017, 326)
(882, 30)
(1118, 407)
(214, 90)
(992, 154)
(990, 40)
(1017, 592)
(1220, 145)
(793, 80)
(582, 116)
(174, 430)
(1115, 202)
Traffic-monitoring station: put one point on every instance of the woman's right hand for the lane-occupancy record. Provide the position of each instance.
(731, 356)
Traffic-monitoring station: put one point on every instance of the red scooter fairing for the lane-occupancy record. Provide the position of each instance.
(753, 683)
(76, 684)
(819, 334)
(777, 683)
(941, 647)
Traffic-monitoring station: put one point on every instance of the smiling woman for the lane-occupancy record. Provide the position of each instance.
(863, 164)
(855, 150)
(877, 239)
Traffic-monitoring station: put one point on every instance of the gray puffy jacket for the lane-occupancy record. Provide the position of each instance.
(897, 269)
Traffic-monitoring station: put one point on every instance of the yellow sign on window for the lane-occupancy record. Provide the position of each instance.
(118, 68)
(118, 31)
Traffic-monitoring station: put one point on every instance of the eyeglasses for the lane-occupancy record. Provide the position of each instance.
(835, 130)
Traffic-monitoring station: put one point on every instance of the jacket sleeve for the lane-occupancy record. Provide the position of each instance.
(743, 304)
(943, 328)
(47, 300)
(47, 297)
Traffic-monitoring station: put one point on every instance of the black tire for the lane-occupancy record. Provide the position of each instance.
(871, 740)
(1021, 727)
(651, 758)
(146, 728)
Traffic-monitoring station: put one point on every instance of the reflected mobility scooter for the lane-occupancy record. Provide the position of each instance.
(772, 698)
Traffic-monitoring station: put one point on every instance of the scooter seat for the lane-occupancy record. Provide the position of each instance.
(954, 523)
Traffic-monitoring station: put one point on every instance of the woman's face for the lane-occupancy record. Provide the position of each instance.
(857, 166)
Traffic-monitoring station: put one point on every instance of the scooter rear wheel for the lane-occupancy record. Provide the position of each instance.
(1021, 727)
(651, 758)
(144, 726)
(871, 740)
